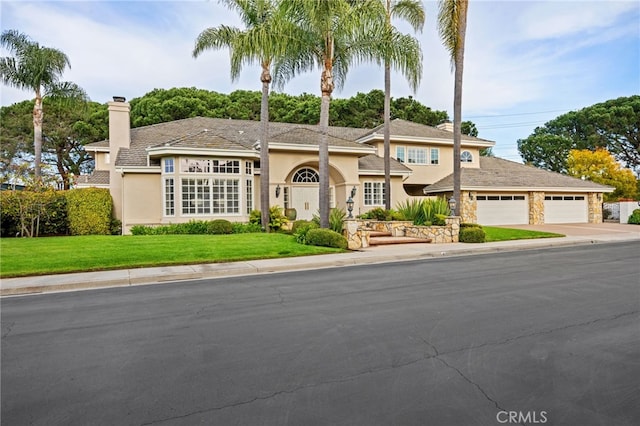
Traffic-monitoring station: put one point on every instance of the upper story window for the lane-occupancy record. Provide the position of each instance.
(248, 168)
(434, 156)
(306, 175)
(107, 158)
(466, 157)
(168, 165)
(400, 154)
(416, 156)
(209, 166)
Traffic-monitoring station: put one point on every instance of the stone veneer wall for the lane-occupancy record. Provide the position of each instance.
(536, 208)
(594, 201)
(469, 210)
(357, 231)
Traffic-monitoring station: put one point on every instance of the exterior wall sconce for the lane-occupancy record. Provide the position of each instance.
(278, 191)
(353, 192)
(452, 205)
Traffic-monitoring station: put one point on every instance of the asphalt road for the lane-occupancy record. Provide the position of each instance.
(531, 337)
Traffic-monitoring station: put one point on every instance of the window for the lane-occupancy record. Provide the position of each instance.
(249, 195)
(205, 165)
(169, 193)
(196, 196)
(466, 157)
(107, 158)
(400, 153)
(435, 156)
(226, 167)
(225, 196)
(168, 165)
(306, 175)
(416, 156)
(285, 197)
(248, 168)
(373, 193)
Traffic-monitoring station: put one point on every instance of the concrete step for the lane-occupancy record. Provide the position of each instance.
(379, 241)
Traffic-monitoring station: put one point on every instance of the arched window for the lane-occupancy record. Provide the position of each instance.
(466, 157)
(306, 175)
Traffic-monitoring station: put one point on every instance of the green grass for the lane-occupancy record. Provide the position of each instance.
(507, 234)
(54, 255)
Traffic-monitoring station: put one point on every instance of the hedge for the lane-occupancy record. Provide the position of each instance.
(325, 238)
(89, 211)
(33, 213)
(472, 234)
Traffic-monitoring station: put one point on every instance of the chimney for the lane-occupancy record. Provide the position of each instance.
(119, 137)
(447, 125)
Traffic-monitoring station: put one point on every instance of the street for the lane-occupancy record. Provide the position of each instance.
(547, 336)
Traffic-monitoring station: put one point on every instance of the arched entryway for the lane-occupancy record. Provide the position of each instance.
(304, 192)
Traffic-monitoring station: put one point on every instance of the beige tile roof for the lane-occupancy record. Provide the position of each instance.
(499, 173)
(306, 136)
(98, 177)
(372, 162)
(220, 132)
(400, 128)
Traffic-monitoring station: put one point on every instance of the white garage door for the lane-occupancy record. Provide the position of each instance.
(503, 209)
(565, 209)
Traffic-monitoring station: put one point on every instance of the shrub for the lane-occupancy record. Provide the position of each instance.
(471, 234)
(89, 211)
(470, 225)
(246, 228)
(33, 213)
(255, 217)
(325, 238)
(336, 217)
(277, 219)
(428, 211)
(376, 214)
(412, 210)
(303, 227)
(634, 219)
(219, 226)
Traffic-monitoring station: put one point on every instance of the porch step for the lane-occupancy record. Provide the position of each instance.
(379, 234)
(378, 241)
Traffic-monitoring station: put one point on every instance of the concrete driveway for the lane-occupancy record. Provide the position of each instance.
(583, 229)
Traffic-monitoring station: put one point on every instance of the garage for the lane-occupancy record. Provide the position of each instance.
(565, 208)
(503, 209)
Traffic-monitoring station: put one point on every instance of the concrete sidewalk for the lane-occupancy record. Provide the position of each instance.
(575, 235)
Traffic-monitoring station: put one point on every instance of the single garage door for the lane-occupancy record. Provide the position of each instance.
(502, 209)
(565, 209)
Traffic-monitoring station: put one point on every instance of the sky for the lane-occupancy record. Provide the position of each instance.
(526, 62)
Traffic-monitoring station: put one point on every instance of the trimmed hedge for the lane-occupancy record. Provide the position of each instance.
(199, 227)
(472, 234)
(634, 219)
(325, 238)
(89, 211)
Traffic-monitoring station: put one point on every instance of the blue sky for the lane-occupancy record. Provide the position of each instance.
(525, 63)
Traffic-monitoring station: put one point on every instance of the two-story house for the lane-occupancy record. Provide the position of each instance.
(206, 168)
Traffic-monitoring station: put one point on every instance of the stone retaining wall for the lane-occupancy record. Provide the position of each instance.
(357, 231)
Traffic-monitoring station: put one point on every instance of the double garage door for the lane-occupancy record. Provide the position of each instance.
(513, 209)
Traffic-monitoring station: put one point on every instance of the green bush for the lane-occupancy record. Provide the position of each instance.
(255, 217)
(277, 219)
(246, 228)
(471, 234)
(427, 212)
(301, 228)
(325, 238)
(89, 211)
(470, 225)
(377, 213)
(336, 218)
(634, 219)
(33, 213)
(219, 226)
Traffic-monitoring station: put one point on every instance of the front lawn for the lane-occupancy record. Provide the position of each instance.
(54, 255)
(506, 234)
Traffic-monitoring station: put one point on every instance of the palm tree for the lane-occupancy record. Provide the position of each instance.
(403, 51)
(452, 26)
(36, 68)
(331, 35)
(263, 40)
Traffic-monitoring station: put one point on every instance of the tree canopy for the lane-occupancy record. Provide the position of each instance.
(601, 167)
(613, 125)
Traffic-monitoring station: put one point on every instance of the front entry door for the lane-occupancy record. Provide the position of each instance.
(305, 200)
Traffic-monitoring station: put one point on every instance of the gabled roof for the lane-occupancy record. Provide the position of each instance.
(403, 129)
(499, 174)
(373, 163)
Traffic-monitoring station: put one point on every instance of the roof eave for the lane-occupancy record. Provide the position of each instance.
(164, 151)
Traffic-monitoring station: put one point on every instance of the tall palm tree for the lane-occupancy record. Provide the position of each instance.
(452, 26)
(36, 68)
(330, 35)
(262, 41)
(404, 53)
